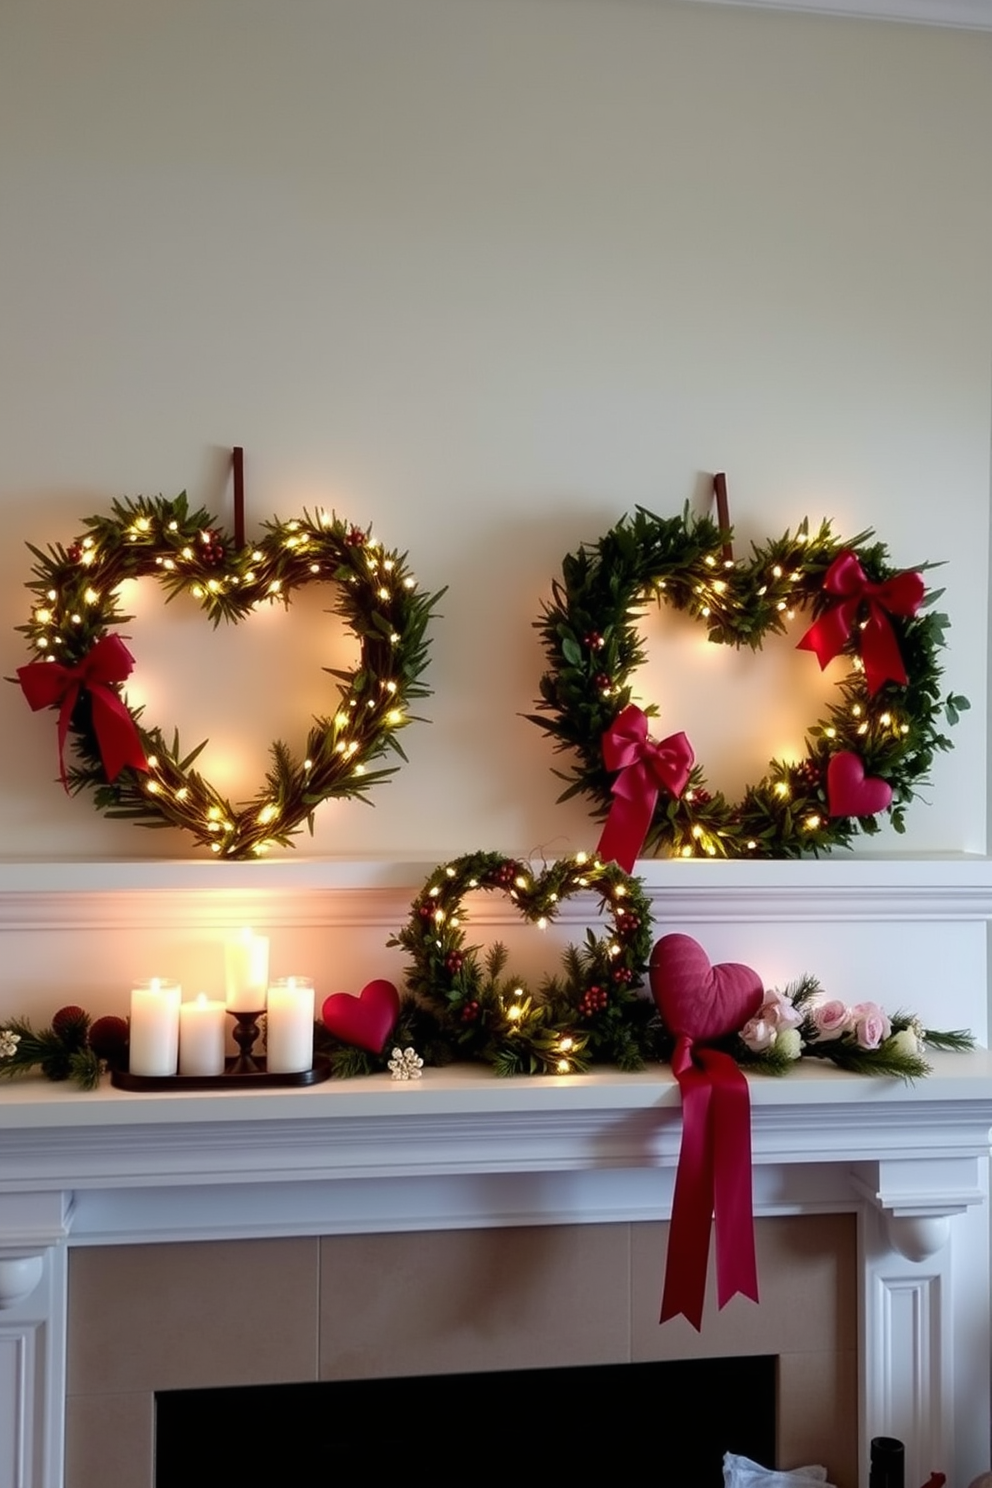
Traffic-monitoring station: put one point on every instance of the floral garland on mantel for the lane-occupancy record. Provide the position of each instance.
(869, 755)
(136, 772)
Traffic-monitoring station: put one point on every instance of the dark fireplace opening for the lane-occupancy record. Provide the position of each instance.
(667, 1422)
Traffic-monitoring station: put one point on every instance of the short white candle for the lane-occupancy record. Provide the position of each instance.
(201, 1036)
(289, 1026)
(154, 1043)
(246, 968)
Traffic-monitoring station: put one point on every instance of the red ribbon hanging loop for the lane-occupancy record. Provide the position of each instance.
(901, 595)
(645, 767)
(48, 684)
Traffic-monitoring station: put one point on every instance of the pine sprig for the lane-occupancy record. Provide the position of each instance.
(590, 633)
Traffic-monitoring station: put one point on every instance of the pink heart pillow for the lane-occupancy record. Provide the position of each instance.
(697, 1000)
(366, 1020)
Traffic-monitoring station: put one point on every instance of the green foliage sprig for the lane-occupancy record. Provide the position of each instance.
(590, 634)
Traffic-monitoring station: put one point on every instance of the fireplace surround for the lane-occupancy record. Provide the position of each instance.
(463, 1152)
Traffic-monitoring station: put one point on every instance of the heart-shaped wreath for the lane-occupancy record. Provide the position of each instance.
(133, 770)
(591, 1012)
(872, 752)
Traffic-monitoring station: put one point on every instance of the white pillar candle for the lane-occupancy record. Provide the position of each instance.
(289, 1025)
(201, 1036)
(154, 1044)
(246, 968)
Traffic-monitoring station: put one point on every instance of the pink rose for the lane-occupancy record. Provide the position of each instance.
(779, 1009)
(832, 1019)
(759, 1034)
(871, 1024)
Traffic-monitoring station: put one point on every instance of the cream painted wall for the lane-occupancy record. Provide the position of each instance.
(486, 273)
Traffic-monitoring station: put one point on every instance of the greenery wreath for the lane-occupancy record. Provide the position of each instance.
(134, 771)
(464, 1007)
(870, 754)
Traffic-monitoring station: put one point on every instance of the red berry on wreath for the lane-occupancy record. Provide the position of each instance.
(355, 538)
(698, 797)
(593, 1001)
(453, 962)
(470, 1012)
(603, 681)
(623, 976)
(506, 872)
(425, 911)
(594, 641)
(74, 552)
(212, 547)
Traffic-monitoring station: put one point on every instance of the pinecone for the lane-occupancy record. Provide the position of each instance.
(70, 1024)
(109, 1040)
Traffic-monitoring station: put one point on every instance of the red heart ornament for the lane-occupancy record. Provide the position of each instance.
(850, 792)
(699, 1001)
(366, 1020)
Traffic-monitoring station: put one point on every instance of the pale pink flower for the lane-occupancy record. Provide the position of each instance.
(871, 1024)
(832, 1019)
(759, 1034)
(779, 1009)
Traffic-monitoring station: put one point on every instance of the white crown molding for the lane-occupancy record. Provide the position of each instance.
(968, 15)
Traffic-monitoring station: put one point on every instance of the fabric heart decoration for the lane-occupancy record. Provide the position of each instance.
(699, 1001)
(850, 792)
(366, 1020)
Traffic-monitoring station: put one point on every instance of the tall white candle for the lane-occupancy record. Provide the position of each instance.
(154, 1043)
(246, 968)
(201, 1036)
(289, 1024)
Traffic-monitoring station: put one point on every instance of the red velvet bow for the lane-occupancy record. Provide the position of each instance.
(901, 595)
(49, 684)
(713, 1181)
(645, 768)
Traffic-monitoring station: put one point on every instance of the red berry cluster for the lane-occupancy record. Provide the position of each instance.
(74, 552)
(623, 976)
(505, 873)
(355, 537)
(627, 921)
(700, 797)
(594, 1000)
(603, 681)
(211, 547)
(425, 910)
(594, 640)
(807, 774)
(470, 1012)
(453, 962)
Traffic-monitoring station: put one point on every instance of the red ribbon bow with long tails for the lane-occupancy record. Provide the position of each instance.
(48, 684)
(901, 595)
(645, 768)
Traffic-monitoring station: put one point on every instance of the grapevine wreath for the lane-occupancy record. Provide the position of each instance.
(868, 756)
(133, 769)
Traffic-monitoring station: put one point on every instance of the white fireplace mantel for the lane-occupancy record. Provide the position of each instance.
(462, 1149)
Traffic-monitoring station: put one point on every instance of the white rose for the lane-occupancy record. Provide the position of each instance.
(789, 1043)
(905, 1043)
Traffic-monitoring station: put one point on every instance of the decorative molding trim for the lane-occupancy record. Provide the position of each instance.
(969, 15)
(361, 895)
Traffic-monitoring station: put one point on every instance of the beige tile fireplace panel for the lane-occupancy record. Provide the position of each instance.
(818, 1411)
(109, 1440)
(806, 1280)
(166, 1317)
(474, 1300)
